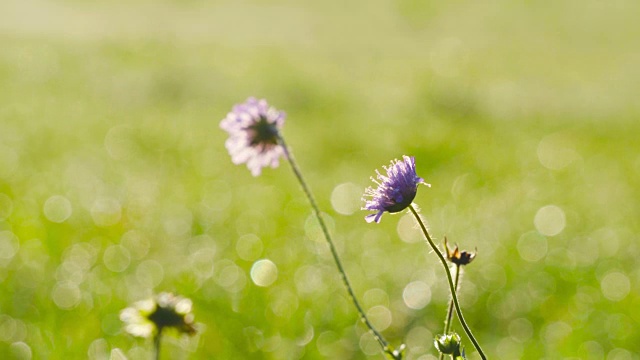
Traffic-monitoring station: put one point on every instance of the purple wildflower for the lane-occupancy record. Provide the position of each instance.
(253, 128)
(395, 191)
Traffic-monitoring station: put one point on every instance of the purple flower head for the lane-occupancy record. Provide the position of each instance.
(253, 128)
(395, 191)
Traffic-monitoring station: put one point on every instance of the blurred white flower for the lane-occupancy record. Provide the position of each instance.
(146, 318)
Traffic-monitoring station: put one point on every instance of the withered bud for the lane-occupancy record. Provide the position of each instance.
(459, 257)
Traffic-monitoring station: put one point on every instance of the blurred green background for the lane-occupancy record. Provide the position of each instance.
(115, 183)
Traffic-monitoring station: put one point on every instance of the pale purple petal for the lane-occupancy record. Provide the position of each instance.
(254, 128)
(374, 217)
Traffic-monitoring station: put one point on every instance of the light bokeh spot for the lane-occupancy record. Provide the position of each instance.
(57, 209)
(6, 206)
(202, 263)
(98, 349)
(591, 350)
(508, 346)
(117, 354)
(9, 245)
(314, 231)
(309, 280)
(328, 344)
(177, 221)
(264, 272)
(150, 273)
(619, 326)
(8, 327)
(306, 337)
(66, 295)
(620, 354)
(521, 330)
(375, 297)
(140, 352)
(615, 286)
(368, 344)
(20, 351)
(284, 302)
(416, 295)
(532, 246)
(554, 333)
(346, 198)
(380, 317)
(408, 230)
(249, 247)
(550, 220)
(415, 340)
(116, 258)
(137, 243)
(555, 152)
(230, 276)
(106, 212)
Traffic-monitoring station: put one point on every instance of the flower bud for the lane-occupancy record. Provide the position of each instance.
(448, 344)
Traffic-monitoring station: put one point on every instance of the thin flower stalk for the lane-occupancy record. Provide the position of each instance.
(452, 287)
(393, 354)
(447, 322)
(156, 343)
(447, 325)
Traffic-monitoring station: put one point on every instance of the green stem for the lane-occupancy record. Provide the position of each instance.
(447, 323)
(363, 317)
(454, 297)
(156, 343)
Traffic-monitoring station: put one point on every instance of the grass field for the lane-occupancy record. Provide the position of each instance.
(115, 183)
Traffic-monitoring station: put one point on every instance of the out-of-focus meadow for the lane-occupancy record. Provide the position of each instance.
(115, 183)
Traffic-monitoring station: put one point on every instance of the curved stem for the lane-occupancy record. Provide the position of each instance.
(363, 317)
(454, 297)
(447, 323)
